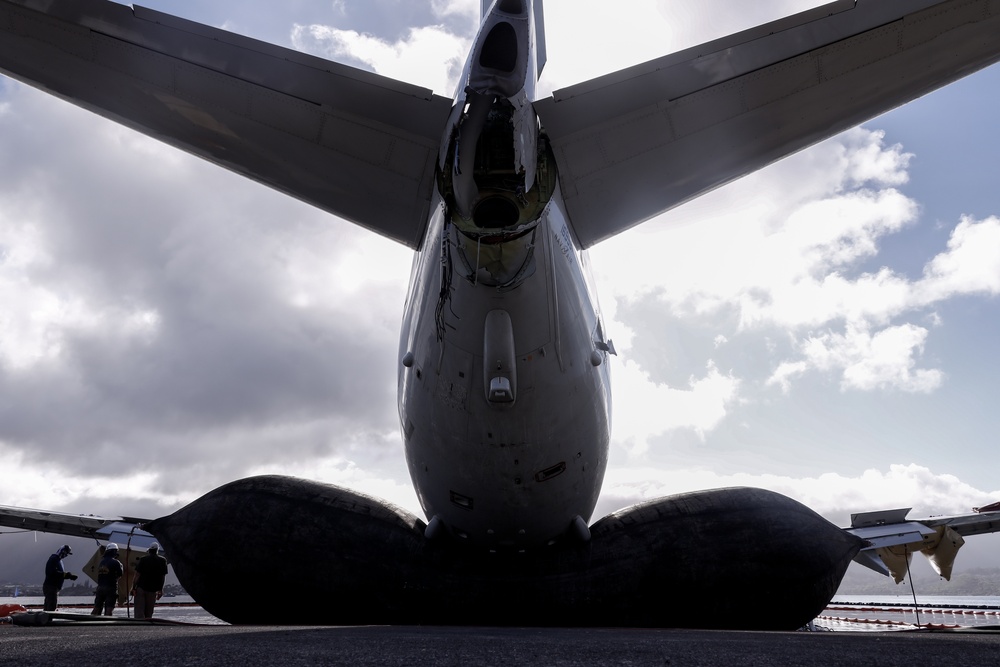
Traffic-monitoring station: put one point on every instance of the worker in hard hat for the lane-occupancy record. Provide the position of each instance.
(109, 571)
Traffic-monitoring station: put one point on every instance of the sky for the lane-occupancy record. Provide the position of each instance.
(824, 328)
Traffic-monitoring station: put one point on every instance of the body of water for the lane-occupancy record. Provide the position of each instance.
(844, 613)
(179, 608)
(898, 612)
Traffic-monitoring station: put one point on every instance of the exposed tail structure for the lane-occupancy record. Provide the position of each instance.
(538, 7)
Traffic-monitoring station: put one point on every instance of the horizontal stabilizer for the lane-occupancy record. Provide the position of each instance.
(635, 143)
(351, 142)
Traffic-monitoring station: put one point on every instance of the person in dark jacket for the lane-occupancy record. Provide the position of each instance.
(109, 571)
(150, 573)
(55, 575)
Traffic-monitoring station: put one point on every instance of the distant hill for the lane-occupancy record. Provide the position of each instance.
(974, 581)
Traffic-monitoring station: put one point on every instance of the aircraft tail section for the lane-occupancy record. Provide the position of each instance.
(539, 35)
(356, 144)
(537, 6)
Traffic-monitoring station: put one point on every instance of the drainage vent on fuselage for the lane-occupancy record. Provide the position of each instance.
(465, 502)
(550, 472)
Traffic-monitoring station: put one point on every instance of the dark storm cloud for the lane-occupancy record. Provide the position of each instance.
(207, 334)
(193, 355)
(23, 555)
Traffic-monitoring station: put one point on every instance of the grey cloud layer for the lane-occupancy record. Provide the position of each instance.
(165, 291)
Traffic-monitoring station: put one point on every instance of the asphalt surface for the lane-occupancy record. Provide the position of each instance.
(83, 645)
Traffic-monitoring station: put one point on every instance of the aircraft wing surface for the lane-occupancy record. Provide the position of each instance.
(635, 143)
(891, 537)
(122, 530)
(353, 143)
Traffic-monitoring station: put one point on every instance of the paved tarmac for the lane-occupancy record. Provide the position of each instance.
(85, 645)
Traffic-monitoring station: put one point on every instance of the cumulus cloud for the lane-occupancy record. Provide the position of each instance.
(640, 31)
(835, 496)
(463, 8)
(971, 265)
(196, 335)
(48, 487)
(794, 284)
(40, 316)
(885, 358)
(416, 58)
(698, 406)
(867, 361)
(793, 266)
(348, 473)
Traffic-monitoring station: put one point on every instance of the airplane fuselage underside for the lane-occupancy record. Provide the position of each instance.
(504, 397)
(504, 393)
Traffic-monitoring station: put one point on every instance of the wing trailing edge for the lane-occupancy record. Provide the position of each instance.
(124, 530)
(891, 538)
